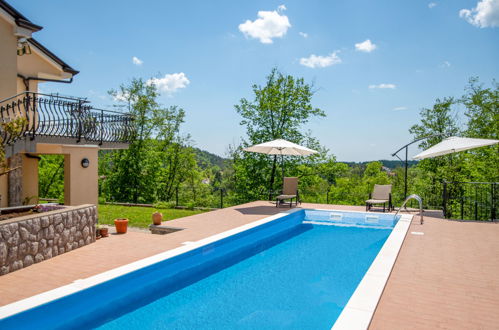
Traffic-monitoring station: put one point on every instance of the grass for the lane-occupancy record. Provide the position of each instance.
(138, 216)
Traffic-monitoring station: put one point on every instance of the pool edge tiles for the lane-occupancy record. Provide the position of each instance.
(26, 304)
(359, 310)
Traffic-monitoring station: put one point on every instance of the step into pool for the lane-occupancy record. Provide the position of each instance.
(295, 271)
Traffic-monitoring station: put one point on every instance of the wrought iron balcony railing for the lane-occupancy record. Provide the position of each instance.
(64, 117)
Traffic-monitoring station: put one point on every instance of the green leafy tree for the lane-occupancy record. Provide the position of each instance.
(279, 110)
(482, 112)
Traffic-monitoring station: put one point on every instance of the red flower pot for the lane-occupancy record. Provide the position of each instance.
(121, 225)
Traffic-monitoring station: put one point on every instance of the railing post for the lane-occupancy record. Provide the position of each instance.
(327, 197)
(101, 127)
(78, 111)
(221, 198)
(444, 200)
(176, 196)
(492, 204)
(34, 114)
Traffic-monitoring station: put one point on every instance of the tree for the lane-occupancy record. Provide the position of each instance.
(157, 159)
(438, 122)
(482, 112)
(279, 110)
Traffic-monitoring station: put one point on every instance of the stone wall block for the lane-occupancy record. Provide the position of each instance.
(50, 232)
(14, 239)
(4, 232)
(12, 255)
(38, 257)
(55, 250)
(16, 265)
(57, 219)
(36, 225)
(47, 253)
(86, 232)
(65, 236)
(4, 269)
(33, 248)
(3, 253)
(44, 221)
(59, 228)
(24, 233)
(13, 227)
(23, 250)
(28, 261)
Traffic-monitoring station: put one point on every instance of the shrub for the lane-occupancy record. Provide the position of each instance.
(164, 205)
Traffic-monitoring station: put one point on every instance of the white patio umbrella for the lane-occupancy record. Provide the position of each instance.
(281, 147)
(454, 144)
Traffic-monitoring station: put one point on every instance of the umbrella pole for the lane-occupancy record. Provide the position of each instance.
(282, 165)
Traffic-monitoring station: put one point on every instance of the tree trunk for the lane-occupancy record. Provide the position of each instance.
(272, 177)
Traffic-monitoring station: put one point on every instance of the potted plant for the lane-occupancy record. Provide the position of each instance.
(121, 225)
(157, 218)
(97, 232)
(104, 231)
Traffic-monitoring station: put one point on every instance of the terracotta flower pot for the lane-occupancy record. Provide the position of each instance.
(157, 218)
(121, 225)
(104, 232)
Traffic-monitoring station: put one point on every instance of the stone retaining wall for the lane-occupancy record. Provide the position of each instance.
(30, 239)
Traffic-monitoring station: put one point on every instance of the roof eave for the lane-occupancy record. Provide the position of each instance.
(65, 67)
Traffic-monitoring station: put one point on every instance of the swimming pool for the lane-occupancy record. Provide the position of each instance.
(298, 269)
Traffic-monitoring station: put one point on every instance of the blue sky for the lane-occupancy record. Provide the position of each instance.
(376, 64)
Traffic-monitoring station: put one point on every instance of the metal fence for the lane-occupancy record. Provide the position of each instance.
(470, 200)
(68, 117)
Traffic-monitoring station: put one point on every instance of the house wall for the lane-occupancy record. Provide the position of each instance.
(8, 61)
(80, 184)
(30, 180)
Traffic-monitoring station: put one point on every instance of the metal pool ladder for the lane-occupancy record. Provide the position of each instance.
(420, 201)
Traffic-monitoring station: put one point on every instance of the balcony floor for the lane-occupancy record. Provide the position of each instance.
(446, 278)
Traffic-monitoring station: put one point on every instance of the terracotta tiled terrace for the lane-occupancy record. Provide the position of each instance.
(446, 278)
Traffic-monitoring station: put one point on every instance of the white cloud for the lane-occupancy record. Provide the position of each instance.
(137, 61)
(432, 5)
(399, 108)
(170, 83)
(270, 24)
(314, 61)
(383, 86)
(123, 97)
(365, 46)
(445, 64)
(303, 34)
(485, 14)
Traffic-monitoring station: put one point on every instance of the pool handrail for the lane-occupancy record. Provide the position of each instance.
(420, 201)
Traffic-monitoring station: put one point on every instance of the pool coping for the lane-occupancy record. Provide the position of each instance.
(357, 313)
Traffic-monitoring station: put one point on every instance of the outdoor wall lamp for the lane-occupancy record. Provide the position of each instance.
(85, 163)
(23, 47)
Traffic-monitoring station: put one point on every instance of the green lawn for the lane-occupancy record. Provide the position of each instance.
(138, 216)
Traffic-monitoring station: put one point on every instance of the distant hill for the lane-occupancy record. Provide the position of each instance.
(387, 163)
(207, 159)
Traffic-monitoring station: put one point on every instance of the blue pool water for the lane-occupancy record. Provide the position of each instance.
(283, 274)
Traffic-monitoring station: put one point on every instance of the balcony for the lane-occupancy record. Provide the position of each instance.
(60, 119)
